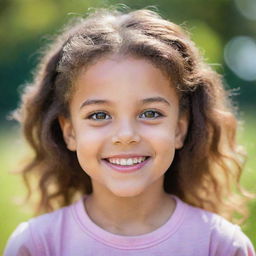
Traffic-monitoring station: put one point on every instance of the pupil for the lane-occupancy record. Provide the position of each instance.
(150, 114)
(100, 115)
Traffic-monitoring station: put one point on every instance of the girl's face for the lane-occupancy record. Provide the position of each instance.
(124, 108)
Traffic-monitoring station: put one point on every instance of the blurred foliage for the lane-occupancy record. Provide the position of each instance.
(26, 25)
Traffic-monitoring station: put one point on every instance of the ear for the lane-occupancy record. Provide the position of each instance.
(68, 132)
(181, 130)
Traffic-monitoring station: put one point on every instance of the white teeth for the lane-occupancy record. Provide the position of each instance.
(123, 162)
(126, 161)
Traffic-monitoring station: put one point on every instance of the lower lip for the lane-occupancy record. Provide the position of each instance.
(126, 169)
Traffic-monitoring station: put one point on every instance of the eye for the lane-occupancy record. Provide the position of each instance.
(151, 114)
(99, 116)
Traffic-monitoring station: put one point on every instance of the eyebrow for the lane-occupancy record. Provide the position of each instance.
(156, 99)
(104, 102)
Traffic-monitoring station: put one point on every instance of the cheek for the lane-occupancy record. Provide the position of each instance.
(164, 135)
(163, 143)
(87, 137)
(88, 148)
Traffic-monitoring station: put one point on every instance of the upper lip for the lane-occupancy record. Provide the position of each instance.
(126, 156)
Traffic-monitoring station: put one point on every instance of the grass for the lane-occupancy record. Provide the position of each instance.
(11, 188)
(248, 139)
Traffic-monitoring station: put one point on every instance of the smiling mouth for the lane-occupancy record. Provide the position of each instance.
(127, 161)
(127, 165)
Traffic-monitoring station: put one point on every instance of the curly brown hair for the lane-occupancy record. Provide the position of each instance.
(204, 173)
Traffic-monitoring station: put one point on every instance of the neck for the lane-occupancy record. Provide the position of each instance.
(130, 215)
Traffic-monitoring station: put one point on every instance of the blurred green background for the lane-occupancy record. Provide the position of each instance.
(224, 30)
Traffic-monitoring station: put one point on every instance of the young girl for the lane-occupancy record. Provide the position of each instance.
(134, 142)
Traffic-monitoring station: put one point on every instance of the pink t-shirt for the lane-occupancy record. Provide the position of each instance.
(190, 231)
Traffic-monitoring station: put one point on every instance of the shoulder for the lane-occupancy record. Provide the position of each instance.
(229, 239)
(206, 220)
(20, 242)
(45, 223)
(31, 237)
(223, 237)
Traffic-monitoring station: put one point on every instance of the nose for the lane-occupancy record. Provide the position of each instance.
(126, 132)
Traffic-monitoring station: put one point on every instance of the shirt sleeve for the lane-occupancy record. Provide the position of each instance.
(20, 242)
(241, 244)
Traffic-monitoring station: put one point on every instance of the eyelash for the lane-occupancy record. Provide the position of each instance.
(95, 113)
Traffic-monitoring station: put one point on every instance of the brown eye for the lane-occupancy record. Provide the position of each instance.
(151, 114)
(99, 116)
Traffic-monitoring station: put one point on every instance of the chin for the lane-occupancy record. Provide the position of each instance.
(127, 192)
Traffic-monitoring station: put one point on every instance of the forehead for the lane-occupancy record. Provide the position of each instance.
(128, 75)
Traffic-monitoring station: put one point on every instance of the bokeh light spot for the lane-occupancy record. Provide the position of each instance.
(247, 8)
(240, 56)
